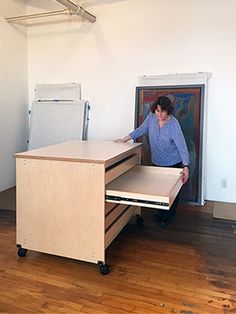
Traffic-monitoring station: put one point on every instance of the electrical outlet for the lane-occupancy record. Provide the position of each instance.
(224, 183)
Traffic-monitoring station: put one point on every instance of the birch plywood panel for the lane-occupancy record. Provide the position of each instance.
(58, 210)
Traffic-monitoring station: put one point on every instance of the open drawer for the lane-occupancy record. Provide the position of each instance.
(153, 187)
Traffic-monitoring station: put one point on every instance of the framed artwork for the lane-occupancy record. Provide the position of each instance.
(188, 109)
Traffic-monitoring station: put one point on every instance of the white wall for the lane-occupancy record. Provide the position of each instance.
(152, 37)
(13, 91)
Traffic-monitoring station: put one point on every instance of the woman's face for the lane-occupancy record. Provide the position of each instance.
(162, 115)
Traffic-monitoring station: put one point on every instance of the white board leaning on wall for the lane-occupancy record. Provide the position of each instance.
(57, 115)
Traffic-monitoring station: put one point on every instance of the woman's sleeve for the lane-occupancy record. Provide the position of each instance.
(142, 129)
(180, 143)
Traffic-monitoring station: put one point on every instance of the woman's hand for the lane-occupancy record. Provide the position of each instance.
(185, 174)
(123, 140)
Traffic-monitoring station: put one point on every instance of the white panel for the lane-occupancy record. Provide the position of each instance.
(55, 122)
(174, 79)
(47, 92)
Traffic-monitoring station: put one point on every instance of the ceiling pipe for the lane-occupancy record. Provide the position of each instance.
(36, 15)
(77, 10)
(70, 5)
(72, 9)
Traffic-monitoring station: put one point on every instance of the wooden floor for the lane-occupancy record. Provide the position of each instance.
(188, 268)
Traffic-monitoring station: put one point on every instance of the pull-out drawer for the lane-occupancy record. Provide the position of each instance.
(114, 213)
(154, 187)
(123, 215)
(120, 167)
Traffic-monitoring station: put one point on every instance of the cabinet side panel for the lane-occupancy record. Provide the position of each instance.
(60, 208)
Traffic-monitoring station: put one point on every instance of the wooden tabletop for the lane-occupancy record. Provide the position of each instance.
(83, 151)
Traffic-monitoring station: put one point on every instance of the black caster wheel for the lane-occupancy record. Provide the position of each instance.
(22, 252)
(104, 268)
(139, 220)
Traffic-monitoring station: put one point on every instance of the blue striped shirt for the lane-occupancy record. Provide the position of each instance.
(168, 146)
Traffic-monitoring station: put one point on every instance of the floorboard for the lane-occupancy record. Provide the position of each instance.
(187, 268)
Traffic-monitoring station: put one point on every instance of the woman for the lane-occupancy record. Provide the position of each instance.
(167, 144)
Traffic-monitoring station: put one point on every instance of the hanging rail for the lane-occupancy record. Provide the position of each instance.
(36, 15)
(76, 9)
(72, 9)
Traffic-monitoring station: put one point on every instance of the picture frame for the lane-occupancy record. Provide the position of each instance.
(188, 109)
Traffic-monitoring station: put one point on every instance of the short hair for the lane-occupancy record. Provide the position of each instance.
(165, 103)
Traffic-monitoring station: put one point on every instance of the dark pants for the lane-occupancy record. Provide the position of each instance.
(170, 214)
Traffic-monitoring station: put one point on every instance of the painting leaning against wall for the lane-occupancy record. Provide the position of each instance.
(188, 109)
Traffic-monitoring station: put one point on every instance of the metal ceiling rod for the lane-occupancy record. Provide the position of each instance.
(36, 15)
(72, 9)
(78, 10)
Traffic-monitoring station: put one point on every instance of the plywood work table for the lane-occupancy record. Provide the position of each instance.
(74, 198)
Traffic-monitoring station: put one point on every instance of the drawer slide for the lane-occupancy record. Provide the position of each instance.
(133, 201)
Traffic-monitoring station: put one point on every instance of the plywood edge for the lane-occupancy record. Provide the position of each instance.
(157, 170)
(112, 215)
(59, 158)
(174, 192)
(138, 196)
(109, 207)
